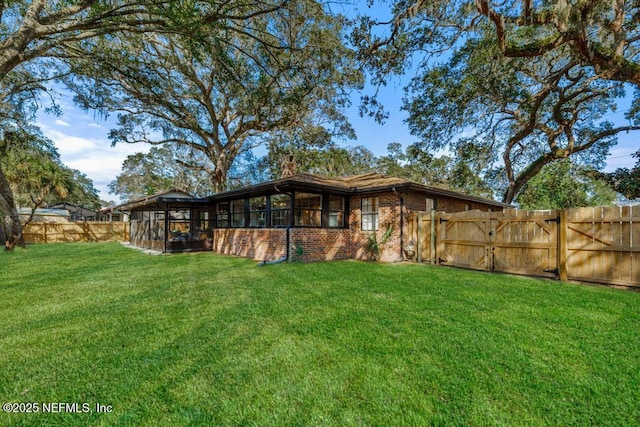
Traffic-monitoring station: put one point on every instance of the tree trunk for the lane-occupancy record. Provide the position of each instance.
(3, 234)
(219, 175)
(14, 236)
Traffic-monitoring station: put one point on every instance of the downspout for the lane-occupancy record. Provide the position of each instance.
(287, 256)
(401, 228)
(166, 227)
(288, 253)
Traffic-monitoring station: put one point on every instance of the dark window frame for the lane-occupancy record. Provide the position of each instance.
(259, 214)
(238, 219)
(223, 220)
(339, 214)
(275, 212)
(298, 211)
(371, 213)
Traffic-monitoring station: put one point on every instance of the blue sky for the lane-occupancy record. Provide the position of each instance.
(81, 138)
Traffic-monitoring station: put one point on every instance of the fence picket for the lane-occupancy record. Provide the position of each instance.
(75, 232)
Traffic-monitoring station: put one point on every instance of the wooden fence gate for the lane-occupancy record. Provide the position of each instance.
(600, 245)
(603, 245)
(422, 232)
(513, 241)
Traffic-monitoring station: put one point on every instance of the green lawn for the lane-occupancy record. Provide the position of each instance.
(204, 339)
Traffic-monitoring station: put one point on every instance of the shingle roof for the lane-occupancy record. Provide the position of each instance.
(175, 195)
(354, 184)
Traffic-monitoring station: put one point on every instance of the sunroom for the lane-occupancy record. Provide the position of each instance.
(173, 221)
(271, 209)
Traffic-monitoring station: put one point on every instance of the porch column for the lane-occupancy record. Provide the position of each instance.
(166, 227)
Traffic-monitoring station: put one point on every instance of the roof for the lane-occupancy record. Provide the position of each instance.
(349, 185)
(46, 215)
(174, 196)
(44, 211)
(73, 208)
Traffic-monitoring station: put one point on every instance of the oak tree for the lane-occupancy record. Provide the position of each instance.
(40, 37)
(226, 92)
(527, 113)
(161, 169)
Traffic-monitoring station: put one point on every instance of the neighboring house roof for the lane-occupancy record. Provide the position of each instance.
(174, 196)
(74, 209)
(349, 185)
(46, 215)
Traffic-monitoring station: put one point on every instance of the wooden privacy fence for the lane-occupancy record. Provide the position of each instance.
(599, 245)
(43, 232)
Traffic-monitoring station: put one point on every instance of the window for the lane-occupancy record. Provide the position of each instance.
(370, 213)
(179, 225)
(336, 211)
(222, 213)
(203, 219)
(258, 212)
(280, 210)
(237, 213)
(308, 209)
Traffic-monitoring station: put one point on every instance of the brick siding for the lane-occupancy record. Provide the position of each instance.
(265, 244)
(322, 244)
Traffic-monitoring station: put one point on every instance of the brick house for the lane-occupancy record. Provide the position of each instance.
(304, 216)
(313, 218)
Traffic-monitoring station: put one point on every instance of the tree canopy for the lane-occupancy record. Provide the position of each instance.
(625, 181)
(518, 114)
(222, 94)
(161, 169)
(601, 34)
(563, 185)
(513, 113)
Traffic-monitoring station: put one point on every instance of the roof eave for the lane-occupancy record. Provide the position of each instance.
(414, 186)
(278, 187)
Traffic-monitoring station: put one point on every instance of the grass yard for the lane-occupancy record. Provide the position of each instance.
(204, 339)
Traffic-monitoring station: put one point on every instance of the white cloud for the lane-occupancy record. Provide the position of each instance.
(61, 123)
(91, 154)
(103, 163)
(69, 145)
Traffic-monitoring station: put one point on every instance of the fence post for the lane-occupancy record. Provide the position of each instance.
(433, 236)
(562, 244)
(419, 239)
(440, 248)
(44, 232)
